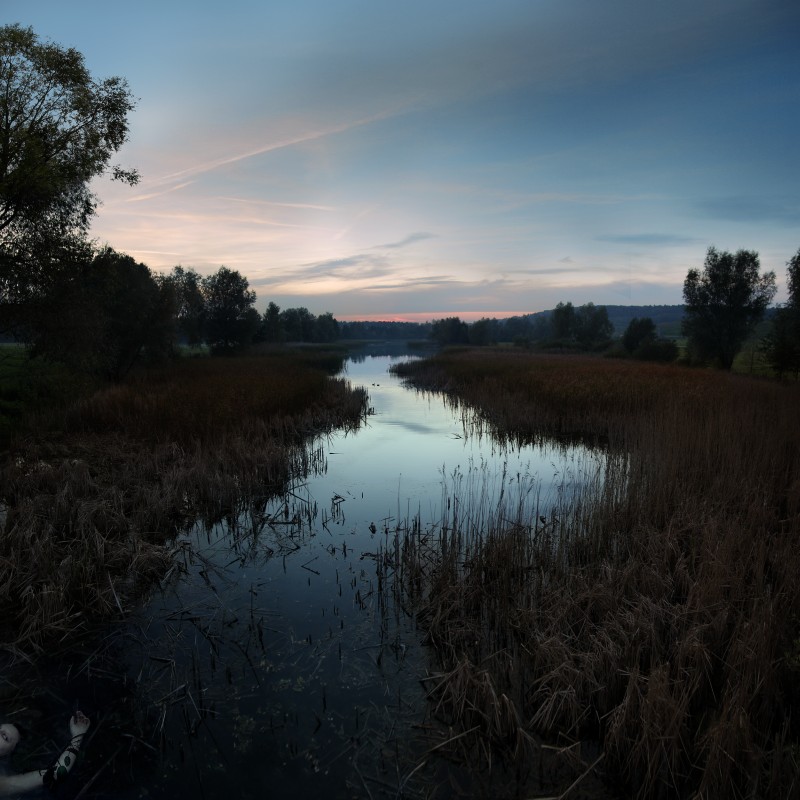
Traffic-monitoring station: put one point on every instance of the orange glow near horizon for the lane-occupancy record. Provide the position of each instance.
(429, 316)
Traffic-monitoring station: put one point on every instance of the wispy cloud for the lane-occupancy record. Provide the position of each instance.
(253, 201)
(410, 239)
(150, 195)
(660, 239)
(783, 211)
(291, 141)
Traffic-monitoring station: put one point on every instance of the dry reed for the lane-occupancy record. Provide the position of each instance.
(655, 610)
(87, 513)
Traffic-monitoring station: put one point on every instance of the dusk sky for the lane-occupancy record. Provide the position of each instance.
(424, 159)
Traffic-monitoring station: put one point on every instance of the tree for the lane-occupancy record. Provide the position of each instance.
(231, 320)
(450, 331)
(781, 346)
(104, 315)
(483, 332)
(592, 326)
(562, 321)
(724, 302)
(59, 128)
(190, 303)
(297, 324)
(638, 332)
(326, 328)
(272, 331)
(793, 281)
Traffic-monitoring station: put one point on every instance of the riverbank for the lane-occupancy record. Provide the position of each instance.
(92, 499)
(655, 612)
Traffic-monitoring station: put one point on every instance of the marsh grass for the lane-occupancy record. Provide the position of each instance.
(654, 610)
(88, 510)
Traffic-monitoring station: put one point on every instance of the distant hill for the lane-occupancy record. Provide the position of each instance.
(667, 318)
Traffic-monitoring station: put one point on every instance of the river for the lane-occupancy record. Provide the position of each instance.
(273, 661)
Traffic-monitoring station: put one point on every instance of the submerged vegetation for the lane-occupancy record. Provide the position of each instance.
(654, 611)
(87, 510)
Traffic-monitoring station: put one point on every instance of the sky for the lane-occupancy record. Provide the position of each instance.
(416, 160)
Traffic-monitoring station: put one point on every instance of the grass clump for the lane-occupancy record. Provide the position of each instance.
(654, 609)
(88, 508)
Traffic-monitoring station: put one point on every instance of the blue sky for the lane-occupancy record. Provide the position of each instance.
(421, 159)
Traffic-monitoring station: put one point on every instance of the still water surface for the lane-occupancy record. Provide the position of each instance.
(270, 663)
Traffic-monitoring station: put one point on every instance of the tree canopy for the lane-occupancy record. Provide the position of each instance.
(230, 319)
(781, 345)
(59, 129)
(724, 302)
(105, 314)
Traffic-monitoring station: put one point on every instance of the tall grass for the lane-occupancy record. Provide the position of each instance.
(88, 507)
(655, 611)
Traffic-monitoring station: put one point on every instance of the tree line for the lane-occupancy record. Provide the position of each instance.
(586, 328)
(94, 308)
(107, 312)
(102, 311)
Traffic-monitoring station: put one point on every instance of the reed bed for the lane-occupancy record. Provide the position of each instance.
(655, 609)
(88, 510)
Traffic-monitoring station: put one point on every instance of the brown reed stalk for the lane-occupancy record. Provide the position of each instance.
(657, 611)
(88, 511)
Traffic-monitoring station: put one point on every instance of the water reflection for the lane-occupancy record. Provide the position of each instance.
(274, 656)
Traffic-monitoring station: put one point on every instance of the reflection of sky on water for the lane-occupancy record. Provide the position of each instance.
(395, 465)
(279, 627)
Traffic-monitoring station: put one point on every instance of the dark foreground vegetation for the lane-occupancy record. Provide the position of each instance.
(89, 504)
(654, 610)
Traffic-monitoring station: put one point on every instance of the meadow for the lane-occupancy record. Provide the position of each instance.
(653, 614)
(102, 479)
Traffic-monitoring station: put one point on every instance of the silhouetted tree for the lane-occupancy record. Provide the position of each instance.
(292, 323)
(724, 302)
(592, 326)
(326, 328)
(271, 329)
(191, 305)
(781, 346)
(105, 315)
(656, 349)
(562, 321)
(231, 320)
(639, 330)
(483, 332)
(450, 331)
(59, 128)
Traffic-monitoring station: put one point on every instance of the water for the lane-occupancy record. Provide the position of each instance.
(270, 658)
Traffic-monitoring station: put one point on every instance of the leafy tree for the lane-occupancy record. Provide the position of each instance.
(59, 128)
(297, 324)
(450, 331)
(187, 286)
(483, 332)
(724, 302)
(639, 330)
(793, 280)
(592, 326)
(231, 320)
(326, 328)
(562, 321)
(272, 330)
(781, 346)
(104, 315)
(657, 349)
